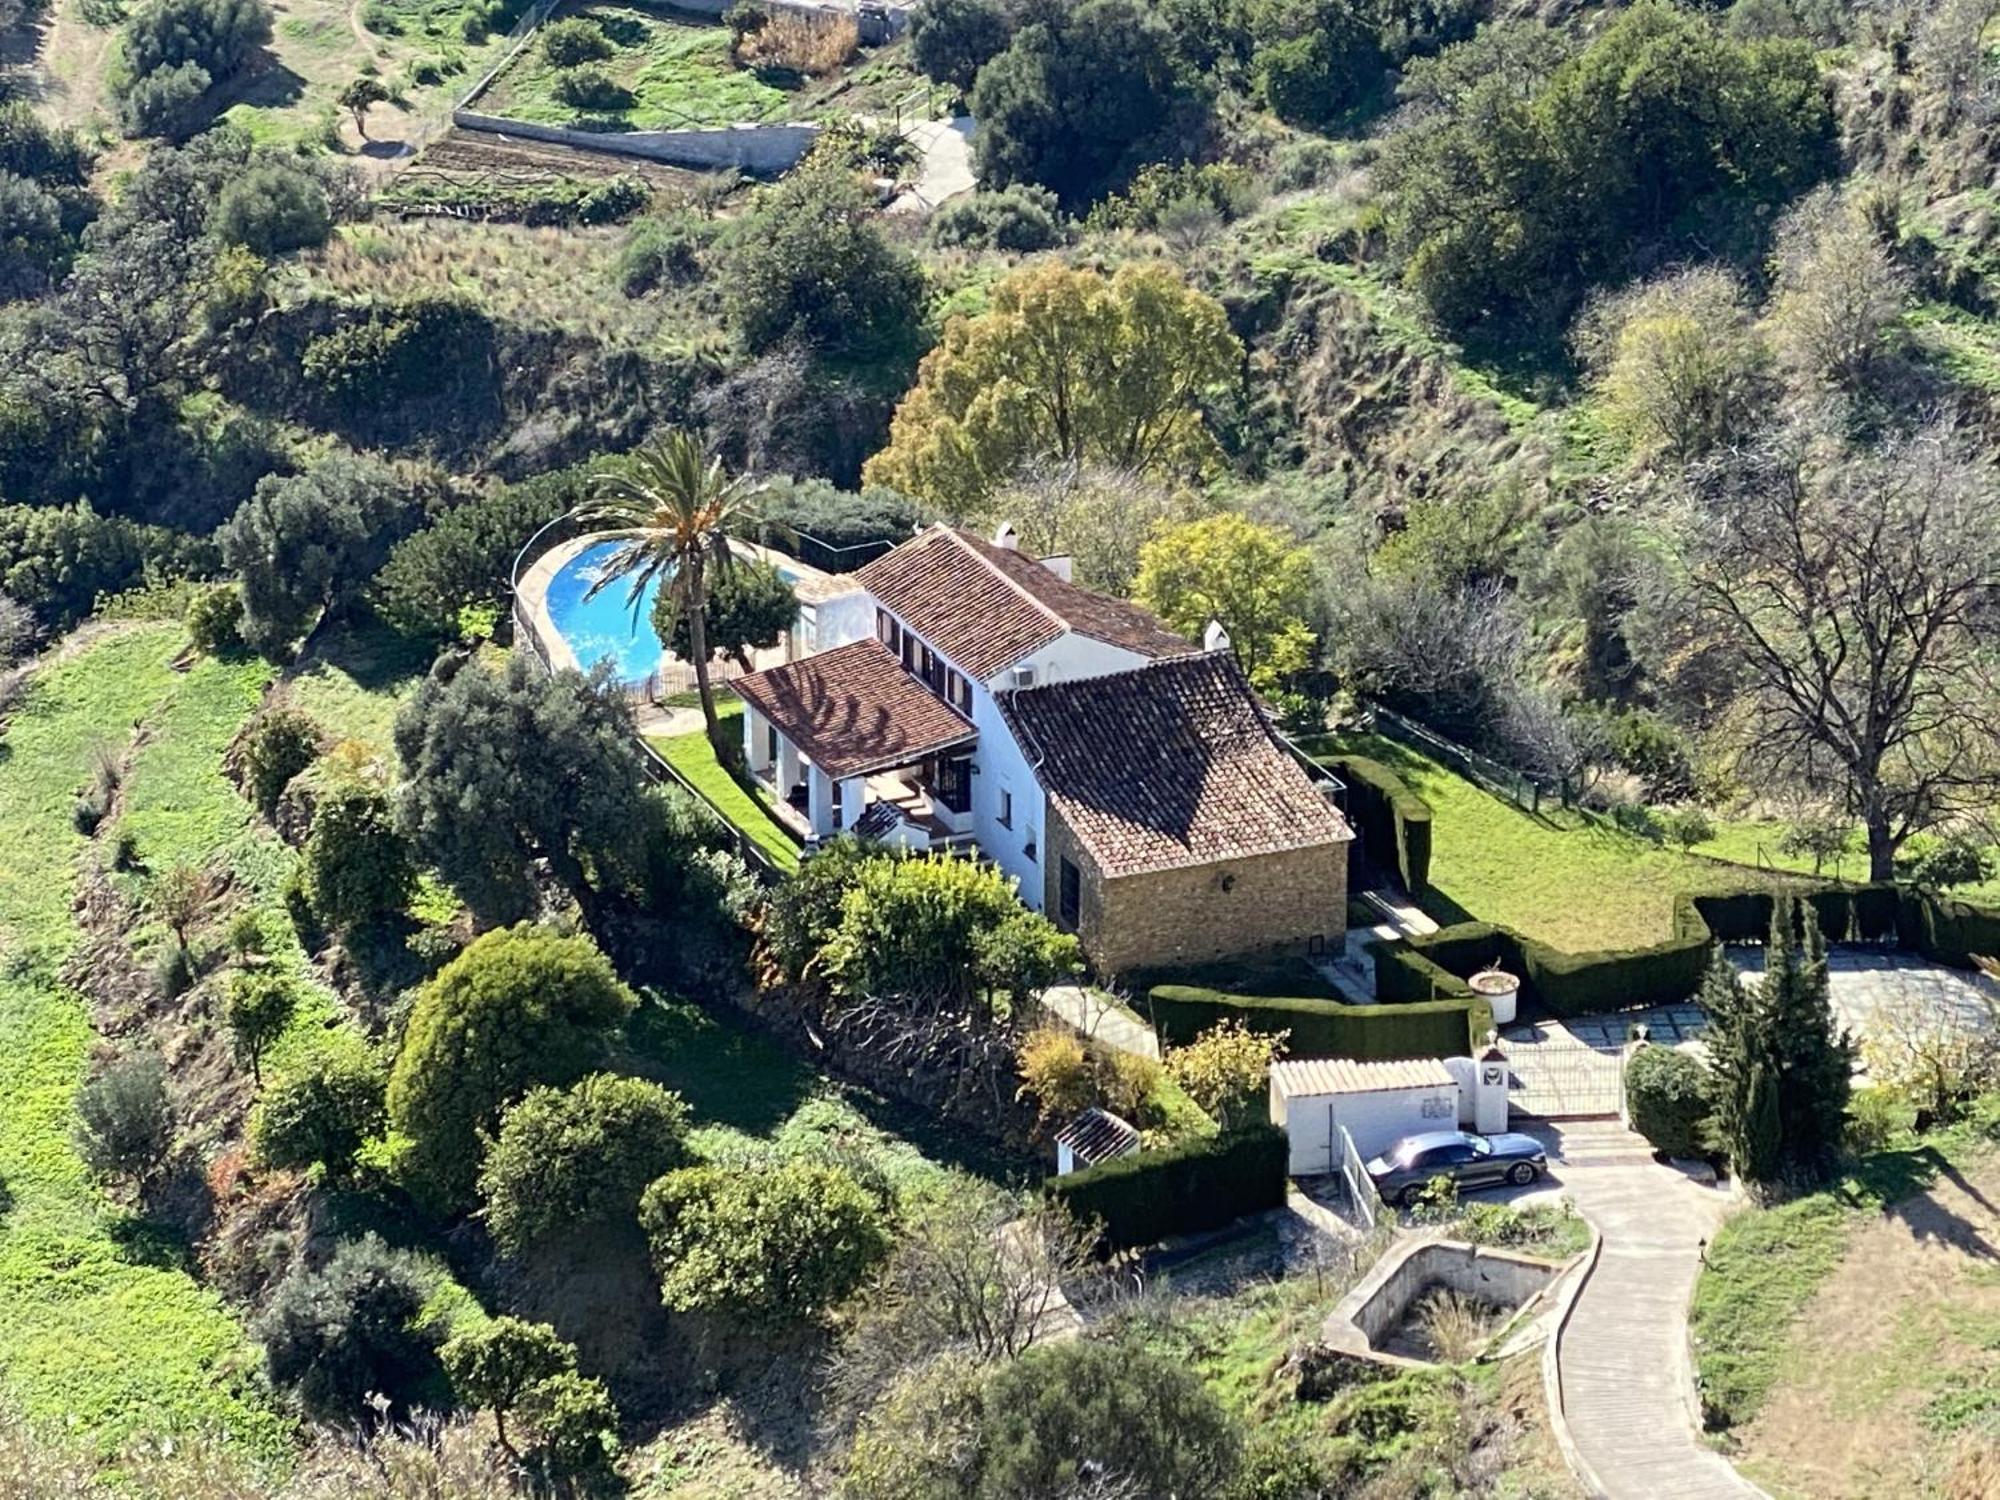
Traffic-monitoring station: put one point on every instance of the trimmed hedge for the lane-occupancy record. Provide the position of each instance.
(1325, 1028)
(1389, 816)
(1185, 1189)
(1434, 967)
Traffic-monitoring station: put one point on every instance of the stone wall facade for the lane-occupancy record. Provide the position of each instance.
(1265, 903)
(763, 150)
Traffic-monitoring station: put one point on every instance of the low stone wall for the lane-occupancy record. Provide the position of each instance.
(765, 150)
(1371, 1312)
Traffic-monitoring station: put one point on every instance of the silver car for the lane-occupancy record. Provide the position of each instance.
(1401, 1173)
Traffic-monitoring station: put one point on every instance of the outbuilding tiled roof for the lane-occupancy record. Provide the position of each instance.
(854, 710)
(1304, 1078)
(1098, 1135)
(1168, 765)
(986, 607)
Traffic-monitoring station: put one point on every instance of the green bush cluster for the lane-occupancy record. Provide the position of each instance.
(1324, 1028)
(1388, 815)
(1666, 1094)
(560, 201)
(393, 354)
(1198, 1184)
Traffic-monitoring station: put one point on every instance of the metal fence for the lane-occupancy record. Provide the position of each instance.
(1360, 1186)
(1502, 780)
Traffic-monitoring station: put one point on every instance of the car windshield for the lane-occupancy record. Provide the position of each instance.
(1480, 1147)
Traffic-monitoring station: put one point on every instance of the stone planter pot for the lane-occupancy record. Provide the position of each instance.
(1500, 990)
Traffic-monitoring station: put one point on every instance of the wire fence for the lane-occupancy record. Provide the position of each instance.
(1502, 780)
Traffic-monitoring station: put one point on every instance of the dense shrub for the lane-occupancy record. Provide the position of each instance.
(576, 39)
(124, 1122)
(357, 866)
(57, 559)
(1197, 1184)
(274, 207)
(667, 250)
(1419, 1027)
(594, 90)
(320, 1115)
(1141, 1418)
(393, 354)
(520, 1006)
(579, 1159)
(215, 619)
(1667, 1099)
(951, 40)
(351, 1330)
(465, 558)
(1389, 817)
(1015, 221)
(526, 1371)
(774, 1245)
(1329, 67)
(837, 530)
(280, 743)
(173, 51)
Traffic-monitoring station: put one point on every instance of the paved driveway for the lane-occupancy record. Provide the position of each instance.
(1626, 1389)
(1862, 982)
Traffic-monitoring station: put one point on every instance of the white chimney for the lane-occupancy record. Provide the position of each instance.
(1006, 537)
(1063, 567)
(1215, 638)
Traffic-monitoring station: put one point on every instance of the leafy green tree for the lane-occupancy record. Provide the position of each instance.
(496, 1364)
(951, 40)
(124, 1120)
(1227, 1071)
(357, 865)
(777, 1245)
(275, 206)
(804, 912)
(750, 607)
(34, 248)
(1254, 579)
(1082, 98)
(942, 935)
(280, 743)
(503, 769)
(261, 1005)
(1320, 61)
(1066, 365)
(309, 543)
(320, 1115)
(1015, 221)
(578, 39)
(579, 1158)
(809, 263)
(575, 1424)
(1118, 1411)
(520, 1006)
(351, 1330)
(360, 96)
(220, 35)
(677, 510)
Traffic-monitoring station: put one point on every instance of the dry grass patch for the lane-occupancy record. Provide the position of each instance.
(796, 43)
(1890, 1382)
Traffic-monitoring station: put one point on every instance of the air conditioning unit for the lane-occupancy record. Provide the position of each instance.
(1021, 677)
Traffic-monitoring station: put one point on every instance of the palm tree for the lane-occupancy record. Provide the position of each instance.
(678, 508)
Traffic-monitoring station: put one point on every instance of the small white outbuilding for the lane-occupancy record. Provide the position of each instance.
(1378, 1102)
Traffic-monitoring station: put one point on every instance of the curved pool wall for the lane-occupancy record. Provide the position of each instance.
(575, 630)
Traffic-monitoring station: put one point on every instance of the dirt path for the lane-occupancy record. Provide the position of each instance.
(70, 65)
(1622, 1357)
(1910, 1317)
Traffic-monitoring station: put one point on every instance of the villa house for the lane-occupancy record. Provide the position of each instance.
(964, 695)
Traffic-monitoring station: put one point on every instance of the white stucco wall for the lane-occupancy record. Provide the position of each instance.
(1004, 767)
(1072, 658)
(843, 619)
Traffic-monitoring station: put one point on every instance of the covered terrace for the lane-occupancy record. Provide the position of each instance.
(832, 734)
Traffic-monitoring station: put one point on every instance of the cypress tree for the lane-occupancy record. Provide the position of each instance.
(1815, 1057)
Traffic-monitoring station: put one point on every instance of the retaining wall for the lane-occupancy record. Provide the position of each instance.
(762, 149)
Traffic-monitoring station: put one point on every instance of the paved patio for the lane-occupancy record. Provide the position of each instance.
(1861, 982)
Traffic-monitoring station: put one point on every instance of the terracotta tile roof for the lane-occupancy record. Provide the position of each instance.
(1299, 1078)
(854, 710)
(986, 607)
(1169, 765)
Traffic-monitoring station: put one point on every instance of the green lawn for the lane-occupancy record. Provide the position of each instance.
(1565, 878)
(97, 1336)
(694, 758)
(1764, 1265)
(677, 75)
(355, 680)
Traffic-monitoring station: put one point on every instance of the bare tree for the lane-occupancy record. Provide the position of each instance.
(1860, 593)
(1099, 517)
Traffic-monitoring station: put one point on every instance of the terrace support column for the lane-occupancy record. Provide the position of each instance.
(819, 802)
(853, 797)
(789, 772)
(756, 742)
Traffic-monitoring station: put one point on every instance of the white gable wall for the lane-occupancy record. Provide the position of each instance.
(1071, 658)
(1003, 767)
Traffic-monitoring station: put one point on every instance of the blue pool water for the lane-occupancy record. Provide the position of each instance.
(607, 628)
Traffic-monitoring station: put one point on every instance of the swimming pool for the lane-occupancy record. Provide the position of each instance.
(607, 628)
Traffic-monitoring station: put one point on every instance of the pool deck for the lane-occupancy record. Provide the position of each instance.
(673, 674)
